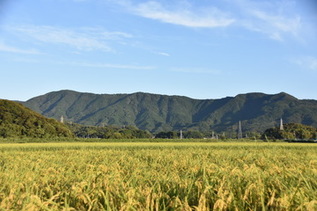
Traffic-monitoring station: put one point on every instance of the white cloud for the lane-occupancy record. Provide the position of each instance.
(163, 53)
(100, 33)
(116, 35)
(276, 19)
(307, 62)
(6, 48)
(113, 66)
(199, 18)
(81, 39)
(195, 70)
(276, 25)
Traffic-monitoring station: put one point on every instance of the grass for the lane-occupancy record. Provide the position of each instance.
(158, 176)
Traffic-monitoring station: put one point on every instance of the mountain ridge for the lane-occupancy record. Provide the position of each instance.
(155, 112)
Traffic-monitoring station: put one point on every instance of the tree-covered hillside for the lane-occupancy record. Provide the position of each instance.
(155, 113)
(291, 131)
(18, 121)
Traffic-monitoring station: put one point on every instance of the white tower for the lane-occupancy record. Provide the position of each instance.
(180, 134)
(62, 119)
(281, 124)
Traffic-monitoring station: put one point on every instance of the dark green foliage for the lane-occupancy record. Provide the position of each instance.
(167, 135)
(107, 132)
(291, 131)
(176, 135)
(193, 134)
(156, 113)
(19, 121)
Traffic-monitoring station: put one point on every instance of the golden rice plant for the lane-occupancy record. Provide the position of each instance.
(158, 176)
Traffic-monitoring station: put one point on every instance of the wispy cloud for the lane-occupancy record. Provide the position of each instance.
(163, 53)
(112, 66)
(87, 64)
(7, 48)
(275, 26)
(190, 17)
(307, 62)
(81, 39)
(275, 19)
(195, 70)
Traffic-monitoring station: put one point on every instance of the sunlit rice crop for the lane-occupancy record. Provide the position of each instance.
(158, 176)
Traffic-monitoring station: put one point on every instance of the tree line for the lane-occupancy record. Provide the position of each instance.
(108, 132)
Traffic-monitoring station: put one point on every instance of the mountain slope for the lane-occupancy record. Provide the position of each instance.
(19, 121)
(256, 111)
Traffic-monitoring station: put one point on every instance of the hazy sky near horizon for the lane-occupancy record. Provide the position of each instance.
(202, 49)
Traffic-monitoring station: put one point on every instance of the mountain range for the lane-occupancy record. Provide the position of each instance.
(155, 113)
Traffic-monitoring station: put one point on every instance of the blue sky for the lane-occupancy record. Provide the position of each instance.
(202, 49)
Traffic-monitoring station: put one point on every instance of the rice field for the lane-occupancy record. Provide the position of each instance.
(158, 176)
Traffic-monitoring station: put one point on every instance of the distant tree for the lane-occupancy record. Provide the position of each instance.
(193, 134)
(108, 132)
(291, 131)
(169, 135)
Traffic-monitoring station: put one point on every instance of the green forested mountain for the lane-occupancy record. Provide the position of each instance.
(256, 111)
(18, 121)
